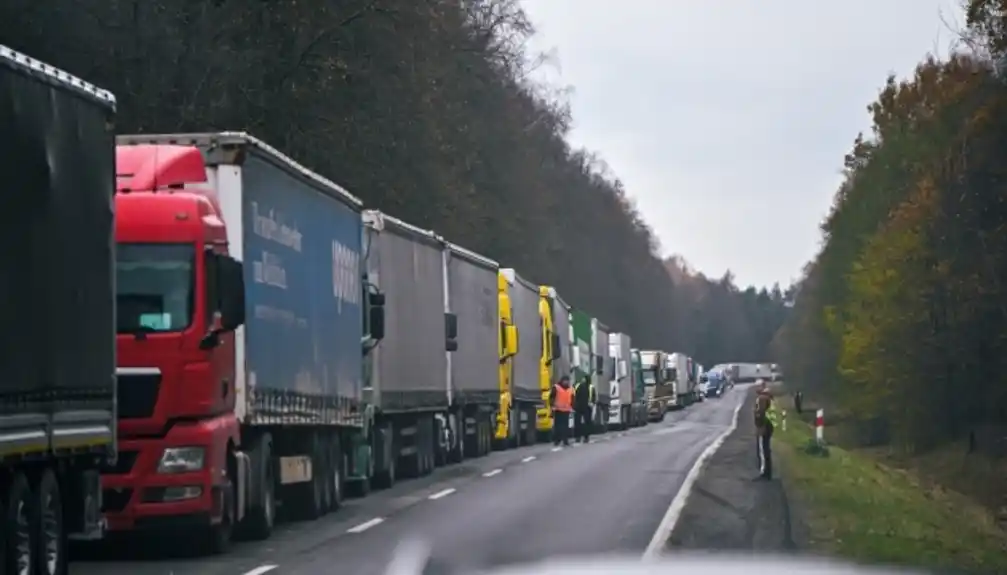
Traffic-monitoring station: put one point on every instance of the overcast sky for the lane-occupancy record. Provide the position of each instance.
(728, 119)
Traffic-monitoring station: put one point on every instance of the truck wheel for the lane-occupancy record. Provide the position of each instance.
(310, 496)
(456, 450)
(261, 516)
(20, 539)
(429, 448)
(387, 477)
(52, 543)
(487, 438)
(221, 534)
(531, 434)
(515, 428)
(335, 472)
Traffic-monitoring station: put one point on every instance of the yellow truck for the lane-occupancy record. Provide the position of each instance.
(520, 386)
(556, 352)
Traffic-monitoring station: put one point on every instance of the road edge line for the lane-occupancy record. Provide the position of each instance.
(674, 512)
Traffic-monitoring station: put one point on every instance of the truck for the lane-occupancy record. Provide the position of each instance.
(243, 309)
(506, 352)
(583, 362)
(603, 373)
(557, 312)
(639, 389)
(747, 372)
(472, 299)
(58, 383)
(679, 377)
(659, 388)
(621, 408)
(700, 376)
(526, 388)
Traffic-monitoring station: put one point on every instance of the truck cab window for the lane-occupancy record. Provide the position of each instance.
(155, 287)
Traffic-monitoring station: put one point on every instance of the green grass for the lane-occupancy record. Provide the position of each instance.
(860, 509)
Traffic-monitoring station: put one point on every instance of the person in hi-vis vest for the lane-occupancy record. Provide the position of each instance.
(561, 399)
(765, 424)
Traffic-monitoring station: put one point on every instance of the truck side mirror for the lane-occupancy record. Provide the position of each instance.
(511, 345)
(557, 351)
(451, 344)
(375, 312)
(376, 322)
(232, 292)
(451, 325)
(599, 365)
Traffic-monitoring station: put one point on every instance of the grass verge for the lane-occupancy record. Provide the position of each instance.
(862, 510)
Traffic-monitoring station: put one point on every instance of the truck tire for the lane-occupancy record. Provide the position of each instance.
(432, 443)
(309, 497)
(221, 535)
(456, 450)
(531, 433)
(261, 518)
(386, 478)
(51, 553)
(335, 463)
(20, 537)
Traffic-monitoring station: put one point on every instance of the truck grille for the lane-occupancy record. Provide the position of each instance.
(137, 394)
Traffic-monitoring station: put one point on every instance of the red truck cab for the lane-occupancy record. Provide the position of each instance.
(179, 297)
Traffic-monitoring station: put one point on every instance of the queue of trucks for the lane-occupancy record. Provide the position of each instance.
(218, 336)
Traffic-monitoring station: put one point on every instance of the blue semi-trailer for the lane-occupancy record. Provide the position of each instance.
(264, 393)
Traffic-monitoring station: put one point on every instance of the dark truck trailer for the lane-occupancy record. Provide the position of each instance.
(57, 356)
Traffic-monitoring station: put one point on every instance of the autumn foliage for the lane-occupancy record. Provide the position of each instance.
(902, 318)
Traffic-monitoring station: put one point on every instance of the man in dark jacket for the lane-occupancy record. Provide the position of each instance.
(583, 402)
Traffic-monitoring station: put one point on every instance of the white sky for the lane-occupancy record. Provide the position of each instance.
(732, 111)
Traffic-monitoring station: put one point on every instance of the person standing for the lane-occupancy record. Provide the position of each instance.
(765, 424)
(798, 401)
(584, 399)
(561, 399)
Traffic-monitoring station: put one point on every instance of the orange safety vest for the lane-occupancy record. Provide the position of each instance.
(564, 399)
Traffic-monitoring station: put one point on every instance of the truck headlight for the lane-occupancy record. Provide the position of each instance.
(181, 459)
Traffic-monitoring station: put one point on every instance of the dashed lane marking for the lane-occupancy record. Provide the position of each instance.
(366, 525)
(555, 449)
(261, 569)
(442, 493)
(492, 473)
(527, 459)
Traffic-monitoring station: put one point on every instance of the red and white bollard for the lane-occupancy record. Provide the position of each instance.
(820, 426)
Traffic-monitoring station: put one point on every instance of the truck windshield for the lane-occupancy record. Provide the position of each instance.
(155, 287)
(649, 378)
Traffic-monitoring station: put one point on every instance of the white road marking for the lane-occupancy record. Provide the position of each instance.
(492, 473)
(674, 512)
(443, 493)
(527, 459)
(366, 525)
(555, 449)
(261, 569)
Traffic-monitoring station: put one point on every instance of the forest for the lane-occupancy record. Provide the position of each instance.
(900, 322)
(422, 109)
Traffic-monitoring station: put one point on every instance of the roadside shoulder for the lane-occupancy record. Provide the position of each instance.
(728, 509)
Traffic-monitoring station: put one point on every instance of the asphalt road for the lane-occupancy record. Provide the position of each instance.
(518, 505)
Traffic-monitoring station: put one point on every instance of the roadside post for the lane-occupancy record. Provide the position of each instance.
(820, 426)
